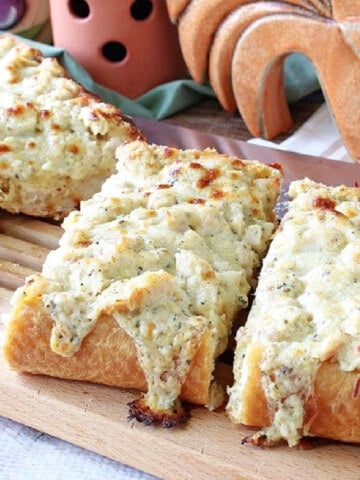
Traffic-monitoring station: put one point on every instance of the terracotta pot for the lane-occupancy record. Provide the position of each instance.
(127, 45)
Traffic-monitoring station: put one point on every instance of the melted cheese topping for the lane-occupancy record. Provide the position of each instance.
(307, 304)
(169, 248)
(51, 129)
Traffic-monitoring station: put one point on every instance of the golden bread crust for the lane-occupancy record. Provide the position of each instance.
(331, 410)
(57, 140)
(167, 252)
(297, 368)
(107, 355)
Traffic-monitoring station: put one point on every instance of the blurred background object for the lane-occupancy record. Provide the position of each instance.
(129, 46)
(241, 46)
(28, 18)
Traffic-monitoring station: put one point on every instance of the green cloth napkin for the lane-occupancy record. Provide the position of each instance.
(300, 77)
(169, 98)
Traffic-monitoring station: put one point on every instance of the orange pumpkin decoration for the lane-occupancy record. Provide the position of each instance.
(240, 46)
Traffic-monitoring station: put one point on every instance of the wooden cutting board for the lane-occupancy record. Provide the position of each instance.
(95, 417)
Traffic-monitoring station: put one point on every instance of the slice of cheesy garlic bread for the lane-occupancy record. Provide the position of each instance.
(57, 141)
(149, 275)
(297, 362)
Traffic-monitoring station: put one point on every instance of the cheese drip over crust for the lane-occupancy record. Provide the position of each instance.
(169, 247)
(307, 306)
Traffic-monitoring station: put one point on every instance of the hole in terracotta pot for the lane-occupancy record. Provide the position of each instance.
(114, 51)
(141, 9)
(79, 8)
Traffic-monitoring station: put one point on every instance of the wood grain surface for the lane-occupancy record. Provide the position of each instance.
(208, 116)
(95, 417)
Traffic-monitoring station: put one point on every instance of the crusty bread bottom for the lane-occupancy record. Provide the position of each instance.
(331, 411)
(107, 354)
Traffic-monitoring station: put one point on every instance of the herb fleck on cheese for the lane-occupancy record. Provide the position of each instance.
(307, 305)
(169, 269)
